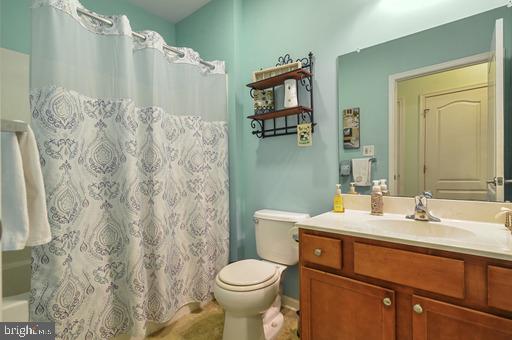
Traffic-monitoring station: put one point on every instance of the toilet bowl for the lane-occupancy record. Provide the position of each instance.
(248, 288)
(243, 300)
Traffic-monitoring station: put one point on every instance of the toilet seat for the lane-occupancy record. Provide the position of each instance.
(247, 275)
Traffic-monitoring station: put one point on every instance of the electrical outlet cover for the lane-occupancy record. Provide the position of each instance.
(369, 150)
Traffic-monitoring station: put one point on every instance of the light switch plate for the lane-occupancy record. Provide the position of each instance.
(369, 150)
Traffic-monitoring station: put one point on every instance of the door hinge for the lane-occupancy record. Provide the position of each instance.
(425, 113)
(424, 169)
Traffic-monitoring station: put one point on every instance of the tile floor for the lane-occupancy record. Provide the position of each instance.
(207, 324)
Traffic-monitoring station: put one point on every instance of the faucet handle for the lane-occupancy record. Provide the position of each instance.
(508, 217)
(426, 194)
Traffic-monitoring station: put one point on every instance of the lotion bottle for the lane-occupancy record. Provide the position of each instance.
(377, 201)
(338, 200)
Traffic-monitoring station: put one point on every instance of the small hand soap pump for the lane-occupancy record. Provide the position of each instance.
(338, 200)
(384, 187)
(377, 202)
(352, 189)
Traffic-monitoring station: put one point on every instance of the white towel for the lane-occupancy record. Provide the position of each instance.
(39, 227)
(362, 171)
(25, 219)
(14, 195)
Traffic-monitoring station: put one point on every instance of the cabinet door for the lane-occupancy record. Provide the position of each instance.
(442, 321)
(337, 308)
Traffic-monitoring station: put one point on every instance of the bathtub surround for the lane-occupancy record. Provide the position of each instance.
(133, 145)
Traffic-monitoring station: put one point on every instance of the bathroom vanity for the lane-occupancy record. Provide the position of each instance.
(365, 277)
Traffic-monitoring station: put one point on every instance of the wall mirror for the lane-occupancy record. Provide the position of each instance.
(436, 107)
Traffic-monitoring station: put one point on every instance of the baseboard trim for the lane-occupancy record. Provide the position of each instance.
(290, 303)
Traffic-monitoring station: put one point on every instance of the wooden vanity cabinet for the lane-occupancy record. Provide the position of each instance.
(356, 288)
(373, 318)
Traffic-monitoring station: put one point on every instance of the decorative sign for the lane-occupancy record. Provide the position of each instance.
(351, 128)
(304, 135)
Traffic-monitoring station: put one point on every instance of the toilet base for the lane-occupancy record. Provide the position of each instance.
(243, 327)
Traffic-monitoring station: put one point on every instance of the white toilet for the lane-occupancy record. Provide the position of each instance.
(248, 290)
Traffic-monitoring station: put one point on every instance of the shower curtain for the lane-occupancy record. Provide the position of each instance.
(133, 148)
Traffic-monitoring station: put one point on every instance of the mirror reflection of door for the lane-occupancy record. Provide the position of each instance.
(456, 144)
(445, 145)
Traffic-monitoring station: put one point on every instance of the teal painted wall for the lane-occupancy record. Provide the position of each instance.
(363, 77)
(275, 173)
(214, 31)
(15, 25)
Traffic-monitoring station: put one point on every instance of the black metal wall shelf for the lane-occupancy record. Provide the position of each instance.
(284, 121)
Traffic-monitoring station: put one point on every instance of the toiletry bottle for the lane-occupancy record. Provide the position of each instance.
(338, 200)
(352, 189)
(377, 201)
(384, 187)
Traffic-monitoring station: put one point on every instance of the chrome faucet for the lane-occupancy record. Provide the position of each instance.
(421, 212)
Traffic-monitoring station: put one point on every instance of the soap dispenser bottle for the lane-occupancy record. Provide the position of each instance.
(338, 200)
(377, 202)
(384, 187)
(352, 189)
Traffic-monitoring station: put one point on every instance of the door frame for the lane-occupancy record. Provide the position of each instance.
(393, 138)
(422, 132)
(400, 124)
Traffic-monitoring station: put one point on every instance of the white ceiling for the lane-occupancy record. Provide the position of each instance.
(173, 10)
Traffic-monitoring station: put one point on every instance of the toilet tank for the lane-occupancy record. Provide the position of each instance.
(275, 232)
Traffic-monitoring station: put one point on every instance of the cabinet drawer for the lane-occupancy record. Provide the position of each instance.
(320, 250)
(499, 287)
(432, 273)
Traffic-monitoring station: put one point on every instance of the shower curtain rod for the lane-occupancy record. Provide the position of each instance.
(141, 36)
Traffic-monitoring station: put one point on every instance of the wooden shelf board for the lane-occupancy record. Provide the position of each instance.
(280, 113)
(279, 79)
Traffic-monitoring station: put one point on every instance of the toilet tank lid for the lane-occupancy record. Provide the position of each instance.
(276, 215)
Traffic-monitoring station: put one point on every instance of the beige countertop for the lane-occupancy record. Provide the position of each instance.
(486, 239)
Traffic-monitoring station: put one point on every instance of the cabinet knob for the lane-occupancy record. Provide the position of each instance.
(386, 302)
(417, 308)
(317, 252)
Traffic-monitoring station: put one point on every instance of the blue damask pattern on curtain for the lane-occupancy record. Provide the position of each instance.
(138, 208)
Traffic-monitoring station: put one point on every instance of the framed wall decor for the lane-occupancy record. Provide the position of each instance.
(304, 135)
(351, 128)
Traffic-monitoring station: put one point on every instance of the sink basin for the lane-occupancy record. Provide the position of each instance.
(421, 229)
(465, 236)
